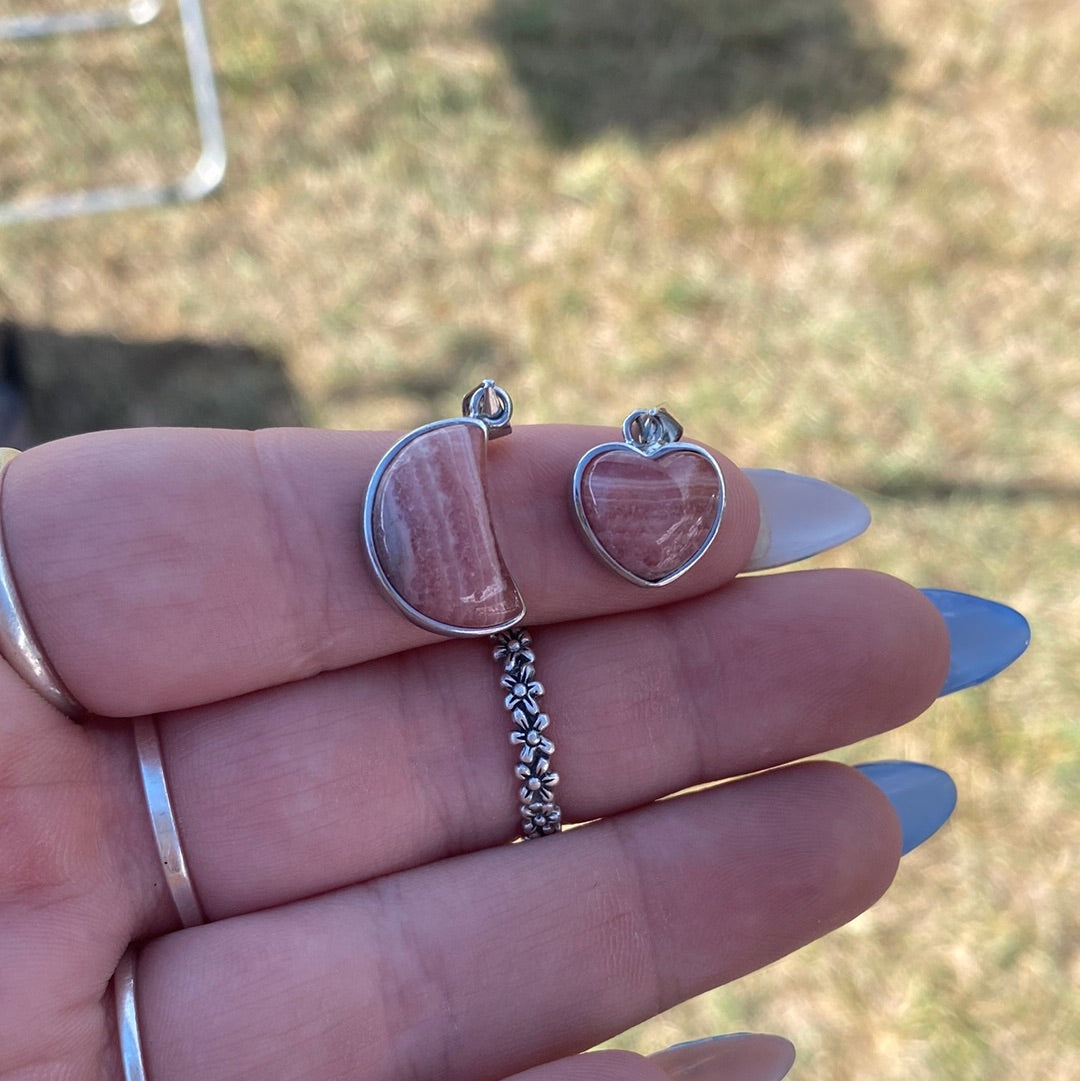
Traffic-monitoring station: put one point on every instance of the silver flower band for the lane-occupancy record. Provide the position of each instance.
(540, 814)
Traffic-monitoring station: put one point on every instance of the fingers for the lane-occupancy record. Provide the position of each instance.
(164, 568)
(479, 966)
(368, 771)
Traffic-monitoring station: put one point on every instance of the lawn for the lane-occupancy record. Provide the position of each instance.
(833, 237)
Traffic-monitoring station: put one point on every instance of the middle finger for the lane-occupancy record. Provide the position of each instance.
(354, 774)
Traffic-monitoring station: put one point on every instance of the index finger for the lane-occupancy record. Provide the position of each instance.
(166, 568)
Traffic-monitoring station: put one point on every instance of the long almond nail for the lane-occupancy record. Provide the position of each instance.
(985, 637)
(800, 517)
(748, 1056)
(923, 797)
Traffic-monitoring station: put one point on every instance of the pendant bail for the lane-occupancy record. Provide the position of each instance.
(650, 429)
(490, 404)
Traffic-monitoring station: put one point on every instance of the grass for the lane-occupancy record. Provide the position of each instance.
(834, 237)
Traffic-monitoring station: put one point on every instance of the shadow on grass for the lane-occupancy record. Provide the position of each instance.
(926, 488)
(69, 384)
(657, 69)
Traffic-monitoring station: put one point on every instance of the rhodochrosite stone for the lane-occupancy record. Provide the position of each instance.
(432, 531)
(650, 515)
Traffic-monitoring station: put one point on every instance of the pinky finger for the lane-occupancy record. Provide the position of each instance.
(741, 1056)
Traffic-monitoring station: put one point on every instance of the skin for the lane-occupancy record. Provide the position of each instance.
(344, 784)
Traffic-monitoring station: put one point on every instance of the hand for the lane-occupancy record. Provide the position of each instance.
(344, 783)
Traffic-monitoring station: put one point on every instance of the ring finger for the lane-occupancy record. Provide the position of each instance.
(359, 773)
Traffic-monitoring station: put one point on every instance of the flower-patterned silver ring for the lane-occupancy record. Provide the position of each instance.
(540, 814)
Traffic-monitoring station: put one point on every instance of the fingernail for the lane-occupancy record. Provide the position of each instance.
(750, 1055)
(801, 516)
(984, 637)
(922, 797)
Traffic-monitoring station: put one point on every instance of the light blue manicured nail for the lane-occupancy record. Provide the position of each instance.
(707, 1041)
(984, 637)
(801, 516)
(922, 796)
(737, 1054)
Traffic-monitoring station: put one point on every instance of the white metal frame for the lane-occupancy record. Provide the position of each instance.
(207, 172)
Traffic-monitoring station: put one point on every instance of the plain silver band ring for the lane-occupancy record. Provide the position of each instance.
(163, 821)
(18, 646)
(127, 1020)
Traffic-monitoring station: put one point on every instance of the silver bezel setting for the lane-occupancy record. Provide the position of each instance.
(653, 450)
(387, 587)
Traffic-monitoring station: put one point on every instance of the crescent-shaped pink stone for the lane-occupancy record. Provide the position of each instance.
(433, 535)
(650, 515)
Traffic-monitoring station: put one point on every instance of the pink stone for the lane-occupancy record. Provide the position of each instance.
(652, 516)
(433, 534)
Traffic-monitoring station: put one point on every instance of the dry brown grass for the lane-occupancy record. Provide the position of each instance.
(835, 237)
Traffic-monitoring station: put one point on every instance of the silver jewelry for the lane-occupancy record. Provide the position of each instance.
(127, 1021)
(163, 822)
(18, 644)
(427, 524)
(650, 506)
(540, 813)
(432, 548)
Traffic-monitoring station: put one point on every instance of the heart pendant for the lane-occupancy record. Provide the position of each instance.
(650, 506)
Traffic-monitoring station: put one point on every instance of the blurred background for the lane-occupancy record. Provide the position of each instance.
(837, 237)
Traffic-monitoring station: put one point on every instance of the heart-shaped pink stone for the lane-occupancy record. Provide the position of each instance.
(651, 516)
